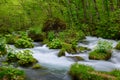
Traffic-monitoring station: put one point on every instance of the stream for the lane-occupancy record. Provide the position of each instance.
(57, 67)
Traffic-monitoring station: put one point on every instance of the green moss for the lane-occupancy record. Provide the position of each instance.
(36, 66)
(102, 51)
(69, 48)
(96, 55)
(84, 72)
(61, 53)
(82, 49)
(9, 73)
(118, 46)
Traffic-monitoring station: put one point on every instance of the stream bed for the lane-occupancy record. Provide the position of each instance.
(56, 68)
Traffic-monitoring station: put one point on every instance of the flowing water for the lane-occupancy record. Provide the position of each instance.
(57, 67)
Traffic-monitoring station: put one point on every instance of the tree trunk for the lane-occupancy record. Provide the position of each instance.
(84, 10)
(111, 5)
(96, 8)
(118, 4)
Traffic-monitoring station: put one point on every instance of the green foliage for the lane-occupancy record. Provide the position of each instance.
(69, 48)
(36, 33)
(51, 35)
(54, 24)
(80, 72)
(115, 73)
(10, 73)
(84, 72)
(118, 46)
(25, 58)
(11, 55)
(82, 49)
(3, 49)
(104, 46)
(109, 28)
(55, 44)
(24, 43)
(71, 36)
(102, 51)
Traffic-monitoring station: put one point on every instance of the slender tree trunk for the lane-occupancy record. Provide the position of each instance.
(84, 10)
(111, 5)
(96, 9)
(118, 3)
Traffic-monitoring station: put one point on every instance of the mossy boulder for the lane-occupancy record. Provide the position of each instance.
(84, 72)
(75, 58)
(23, 58)
(10, 73)
(102, 51)
(82, 49)
(54, 24)
(69, 48)
(36, 34)
(96, 55)
(61, 53)
(118, 46)
(37, 66)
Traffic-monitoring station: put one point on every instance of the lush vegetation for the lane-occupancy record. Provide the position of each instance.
(84, 72)
(118, 46)
(3, 46)
(102, 51)
(10, 73)
(24, 58)
(60, 24)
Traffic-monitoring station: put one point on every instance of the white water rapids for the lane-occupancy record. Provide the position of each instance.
(48, 58)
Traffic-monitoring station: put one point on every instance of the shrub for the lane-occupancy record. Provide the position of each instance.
(25, 58)
(55, 44)
(10, 73)
(102, 51)
(71, 36)
(11, 55)
(51, 35)
(54, 24)
(3, 49)
(24, 43)
(36, 33)
(104, 46)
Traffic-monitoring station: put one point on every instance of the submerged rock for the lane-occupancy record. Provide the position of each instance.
(75, 58)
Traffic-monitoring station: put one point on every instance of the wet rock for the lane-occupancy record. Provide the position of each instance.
(82, 49)
(75, 58)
